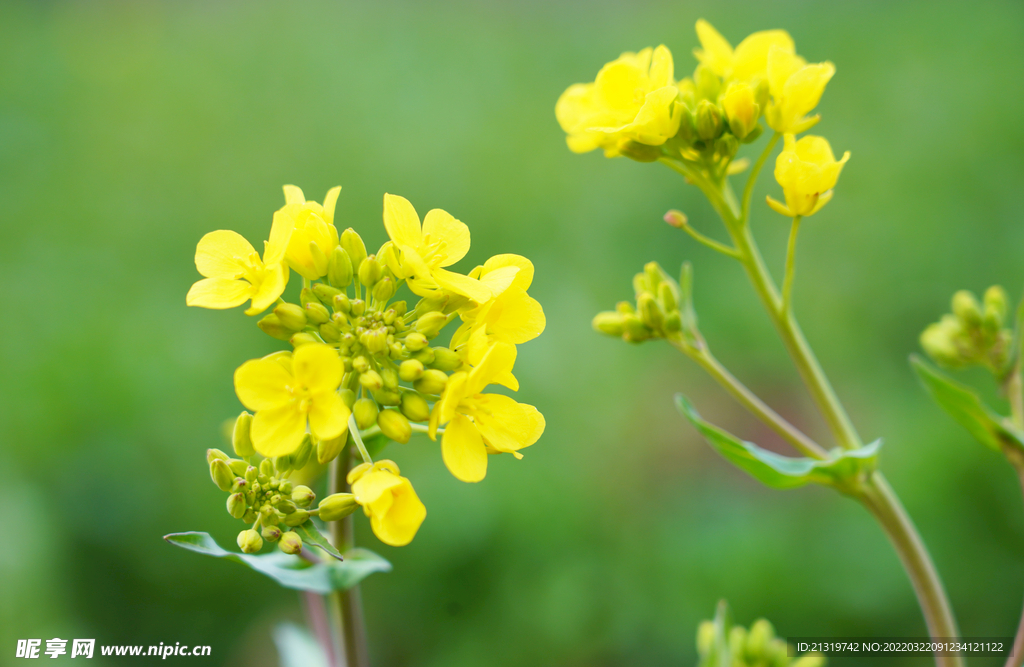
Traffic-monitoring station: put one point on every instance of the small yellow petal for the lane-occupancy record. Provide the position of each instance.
(317, 367)
(328, 415)
(440, 226)
(262, 384)
(330, 201)
(507, 425)
(523, 279)
(293, 195)
(460, 284)
(278, 431)
(779, 207)
(463, 450)
(223, 254)
(218, 293)
(402, 222)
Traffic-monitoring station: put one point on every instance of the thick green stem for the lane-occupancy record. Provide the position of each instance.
(347, 604)
(1016, 658)
(1015, 395)
(787, 281)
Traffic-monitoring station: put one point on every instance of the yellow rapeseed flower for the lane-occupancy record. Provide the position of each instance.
(807, 171)
(510, 315)
(633, 98)
(289, 390)
(395, 510)
(748, 62)
(424, 251)
(795, 88)
(235, 273)
(311, 229)
(479, 424)
(741, 108)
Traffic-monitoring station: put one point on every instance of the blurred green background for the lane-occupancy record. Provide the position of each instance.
(129, 129)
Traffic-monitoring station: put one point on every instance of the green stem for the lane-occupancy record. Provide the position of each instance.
(347, 604)
(787, 282)
(709, 242)
(749, 400)
(358, 439)
(1015, 395)
(748, 189)
(1016, 658)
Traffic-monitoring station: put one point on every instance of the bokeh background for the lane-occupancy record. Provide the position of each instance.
(129, 129)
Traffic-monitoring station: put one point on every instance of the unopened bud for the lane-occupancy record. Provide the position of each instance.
(271, 533)
(708, 121)
(306, 296)
(668, 297)
(353, 246)
(676, 219)
(361, 364)
(251, 473)
(328, 450)
(339, 268)
(410, 370)
(342, 304)
(635, 150)
(249, 541)
(337, 506)
(325, 293)
(371, 380)
(285, 506)
(608, 323)
(296, 518)
(291, 316)
(240, 437)
(430, 324)
(415, 342)
(424, 356)
(387, 397)
(995, 307)
(267, 467)
(303, 496)
(290, 543)
(737, 640)
(394, 425)
(415, 407)
(237, 505)
(445, 359)
(965, 307)
(758, 639)
(727, 145)
(273, 327)
(221, 474)
(212, 454)
(705, 637)
(301, 339)
(390, 377)
(384, 289)
(317, 313)
(365, 413)
(357, 307)
(433, 382)
(330, 332)
(650, 312)
(370, 271)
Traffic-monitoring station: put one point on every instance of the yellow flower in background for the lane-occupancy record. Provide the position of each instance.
(235, 273)
(795, 88)
(633, 98)
(807, 171)
(511, 315)
(287, 391)
(748, 62)
(425, 250)
(395, 510)
(311, 231)
(479, 424)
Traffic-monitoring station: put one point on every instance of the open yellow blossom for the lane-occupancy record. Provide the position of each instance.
(479, 424)
(425, 250)
(748, 62)
(235, 273)
(311, 230)
(633, 98)
(395, 510)
(511, 315)
(807, 171)
(289, 391)
(795, 88)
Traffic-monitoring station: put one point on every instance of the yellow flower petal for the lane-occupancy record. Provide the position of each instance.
(460, 284)
(496, 362)
(400, 525)
(523, 279)
(317, 367)
(223, 254)
(750, 60)
(218, 293)
(262, 384)
(278, 431)
(499, 280)
(717, 53)
(293, 195)
(369, 487)
(402, 222)
(330, 201)
(328, 415)
(463, 451)
(506, 425)
(518, 317)
(274, 279)
(440, 226)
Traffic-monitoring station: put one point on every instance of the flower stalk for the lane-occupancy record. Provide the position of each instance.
(350, 626)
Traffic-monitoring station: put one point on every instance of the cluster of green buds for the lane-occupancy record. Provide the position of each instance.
(261, 494)
(973, 334)
(381, 343)
(662, 308)
(754, 647)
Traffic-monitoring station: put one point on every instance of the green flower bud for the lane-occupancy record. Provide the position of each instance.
(708, 121)
(283, 464)
(303, 496)
(625, 308)
(273, 327)
(212, 454)
(361, 364)
(328, 450)
(296, 518)
(394, 425)
(285, 486)
(337, 506)
(668, 297)
(995, 301)
(939, 342)
(300, 339)
(375, 340)
(415, 407)
(707, 82)
(330, 332)
(433, 382)
(650, 311)
(291, 316)
(371, 380)
(250, 515)
(240, 438)
(776, 654)
(705, 637)
(237, 505)
(269, 516)
(221, 474)
(635, 331)
(238, 466)
(410, 370)
(290, 543)
(339, 268)
(608, 323)
(357, 307)
(761, 633)
(341, 303)
(249, 541)
(300, 457)
(348, 397)
(390, 377)
(635, 150)
(325, 293)
(353, 246)
(266, 467)
(271, 533)
(370, 271)
(445, 359)
(424, 356)
(430, 324)
(250, 474)
(308, 296)
(285, 506)
(727, 145)
(365, 413)
(386, 397)
(317, 313)
(737, 640)
(415, 342)
(384, 289)
(673, 322)
(965, 307)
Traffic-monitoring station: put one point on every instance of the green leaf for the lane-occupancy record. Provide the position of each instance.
(311, 534)
(842, 470)
(967, 409)
(292, 571)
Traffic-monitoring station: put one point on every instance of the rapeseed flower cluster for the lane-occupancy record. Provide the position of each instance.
(974, 334)
(637, 108)
(362, 364)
